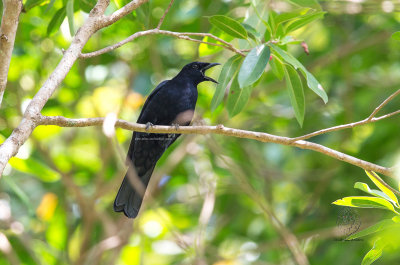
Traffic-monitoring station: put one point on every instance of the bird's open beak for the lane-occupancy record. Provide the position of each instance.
(208, 66)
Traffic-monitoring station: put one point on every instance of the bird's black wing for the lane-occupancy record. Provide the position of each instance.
(139, 120)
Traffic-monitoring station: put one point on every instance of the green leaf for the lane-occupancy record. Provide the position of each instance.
(364, 187)
(312, 83)
(237, 98)
(35, 168)
(277, 67)
(365, 202)
(70, 15)
(296, 92)
(229, 25)
(87, 5)
(253, 65)
(306, 3)
(374, 254)
(32, 3)
(375, 178)
(302, 21)
(381, 225)
(287, 16)
(228, 72)
(56, 21)
(396, 36)
(252, 32)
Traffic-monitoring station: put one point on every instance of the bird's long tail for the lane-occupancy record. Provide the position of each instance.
(128, 199)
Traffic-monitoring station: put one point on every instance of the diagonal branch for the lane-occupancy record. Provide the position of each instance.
(221, 130)
(165, 13)
(370, 119)
(95, 21)
(9, 24)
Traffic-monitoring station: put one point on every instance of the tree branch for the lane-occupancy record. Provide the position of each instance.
(221, 130)
(179, 35)
(9, 24)
(165, 13)
(370, 119)
(93, 23)
(123, 11)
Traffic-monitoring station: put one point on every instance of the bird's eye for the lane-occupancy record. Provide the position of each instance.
(195, 66)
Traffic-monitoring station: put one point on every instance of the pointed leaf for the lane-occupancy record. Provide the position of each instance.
(381, 225)
(56, 21)
(253, 65)
(228, 72)
(365, 202)
(364, 187)
(374, 254)
(229, 25)
(306, 3)
(296, 92)
(237, 98)
(70, 15)
(312, 83)
(302, 21)
(375, 178)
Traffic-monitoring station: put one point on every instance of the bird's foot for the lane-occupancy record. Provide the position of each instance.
(148, 125)
(176, 125)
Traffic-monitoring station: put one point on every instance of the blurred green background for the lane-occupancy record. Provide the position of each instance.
(56, 196)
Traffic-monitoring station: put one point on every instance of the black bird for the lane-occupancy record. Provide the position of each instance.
(172, 102)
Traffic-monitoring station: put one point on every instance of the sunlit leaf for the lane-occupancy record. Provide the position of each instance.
(56, 21)
(253, 65)
(381, 225)
(302, 21)
(364, 187)
(228, 72)
(306, 3)
(296, 92)
(287, 16)
(229, 25)
(35, 168)
(374, 254)
(365, 202)
(237, 98)
(375, 178)
(312, 83)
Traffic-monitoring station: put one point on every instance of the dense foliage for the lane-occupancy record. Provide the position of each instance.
(215, 199)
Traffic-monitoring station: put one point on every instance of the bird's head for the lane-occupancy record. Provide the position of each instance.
(196, 72)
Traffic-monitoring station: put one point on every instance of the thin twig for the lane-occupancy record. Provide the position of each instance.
(370, 119)
(219, 129)
(165, 13)
(179, 35)
(386, 101)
